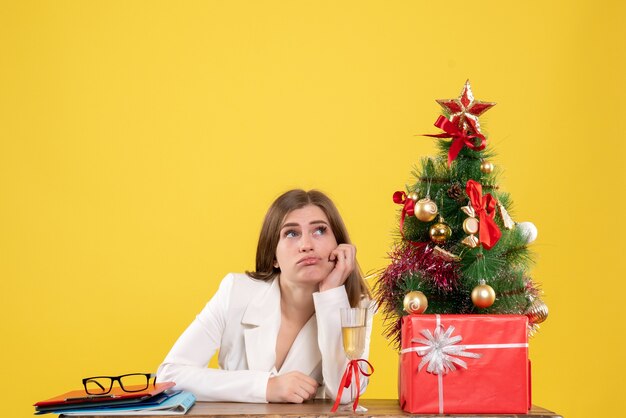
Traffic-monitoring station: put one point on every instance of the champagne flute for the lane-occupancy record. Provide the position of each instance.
(353, 322)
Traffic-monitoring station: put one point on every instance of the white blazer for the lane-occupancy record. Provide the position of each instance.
(242, 321)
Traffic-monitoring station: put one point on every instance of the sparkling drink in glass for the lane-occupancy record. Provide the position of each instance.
(353, 341)
(353, 322)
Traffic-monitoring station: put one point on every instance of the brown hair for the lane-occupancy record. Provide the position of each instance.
(270, 235)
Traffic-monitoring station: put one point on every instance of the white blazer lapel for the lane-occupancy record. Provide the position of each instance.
(306, 346)
(261, 321)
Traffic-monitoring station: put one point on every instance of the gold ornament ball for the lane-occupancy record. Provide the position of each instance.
(537, 312)
(415, 302)
(483, 296)
(486, 167)
(425, 210)
(413, 196)
(440, 232)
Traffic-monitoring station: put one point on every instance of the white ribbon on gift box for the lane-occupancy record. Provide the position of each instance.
(439, 350)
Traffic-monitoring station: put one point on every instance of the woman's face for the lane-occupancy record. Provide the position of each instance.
(304, 247)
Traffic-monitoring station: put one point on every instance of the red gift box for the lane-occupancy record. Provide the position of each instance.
(464, 364)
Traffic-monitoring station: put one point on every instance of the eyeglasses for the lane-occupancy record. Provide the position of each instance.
(132, 382)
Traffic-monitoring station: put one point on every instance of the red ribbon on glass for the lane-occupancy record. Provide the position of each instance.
(485, 208)
(401, 198)
(459, 138)
(346, 381)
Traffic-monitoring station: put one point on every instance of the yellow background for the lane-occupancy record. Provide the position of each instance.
(142, 141)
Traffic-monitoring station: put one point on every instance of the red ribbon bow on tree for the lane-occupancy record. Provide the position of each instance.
(346, 381)
(485, 208)
(459, 138)
(409, 207)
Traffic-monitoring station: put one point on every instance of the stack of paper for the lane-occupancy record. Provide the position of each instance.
(157, 400)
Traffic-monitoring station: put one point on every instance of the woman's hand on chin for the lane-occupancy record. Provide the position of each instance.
(344, 257)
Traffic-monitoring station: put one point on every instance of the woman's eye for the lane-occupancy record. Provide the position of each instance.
(320, 230)
(291, 233)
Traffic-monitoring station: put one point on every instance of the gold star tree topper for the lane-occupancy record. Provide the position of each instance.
(465, 110)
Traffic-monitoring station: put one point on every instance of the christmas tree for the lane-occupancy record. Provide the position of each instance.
(458, 251)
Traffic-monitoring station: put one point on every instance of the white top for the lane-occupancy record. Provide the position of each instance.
(242, 321)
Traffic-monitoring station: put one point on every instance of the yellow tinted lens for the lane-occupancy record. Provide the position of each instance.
(98, 386)
(134, 382)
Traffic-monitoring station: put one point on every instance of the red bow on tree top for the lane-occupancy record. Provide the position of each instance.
(463, 126)
(485, 208)
(459, 138)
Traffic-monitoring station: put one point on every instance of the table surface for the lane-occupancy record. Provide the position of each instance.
(388, 408)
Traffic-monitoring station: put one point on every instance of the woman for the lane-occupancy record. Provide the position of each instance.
(278, 328)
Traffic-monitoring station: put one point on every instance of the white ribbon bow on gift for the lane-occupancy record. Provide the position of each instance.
(440, 352)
